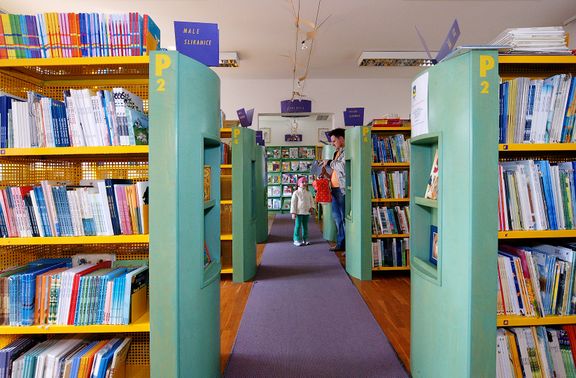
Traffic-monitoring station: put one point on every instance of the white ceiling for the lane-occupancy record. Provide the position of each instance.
(263, 31)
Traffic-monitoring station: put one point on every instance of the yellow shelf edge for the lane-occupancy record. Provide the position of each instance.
(385, 236)
(60, 240)
(226, 237)
(140, 325)
(388, 268)
(503, 235)
(225, 202)
(536, 59)
(524, 321)
(58, 151)
(226, 271)
(391, 165)
(83, 61)
(534, 147)
(225, 165)
(384, 200)
(397, 128)
(225, 130)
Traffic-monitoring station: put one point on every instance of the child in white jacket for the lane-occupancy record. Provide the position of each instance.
(301, 205)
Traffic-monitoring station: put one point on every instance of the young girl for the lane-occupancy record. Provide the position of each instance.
(301, 205)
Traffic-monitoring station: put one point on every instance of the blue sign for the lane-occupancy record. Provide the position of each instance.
(449, 42)
(245, 117)
(354, 117)
(199, 41)
(296, 106)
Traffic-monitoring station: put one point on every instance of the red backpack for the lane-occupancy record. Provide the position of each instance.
(322, 188)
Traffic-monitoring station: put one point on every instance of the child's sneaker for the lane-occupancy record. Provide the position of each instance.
(305, 242)
(298, 243)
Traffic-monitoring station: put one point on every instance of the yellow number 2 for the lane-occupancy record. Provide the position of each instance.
(161, 85)
(485, 85)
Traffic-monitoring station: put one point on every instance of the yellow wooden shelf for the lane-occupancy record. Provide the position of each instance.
(67, 151)
(225, 130)
(387, 200)
(536, 59)
(388, 268)
(83, 61)
(223, 166)
(525, 321)
(61, 240)
(535, 147)
(536, 234)
(397, 128)
(226, 237)
(386, 236)
(226, 202)
(226, 270)
(140, 325)
(390, 165)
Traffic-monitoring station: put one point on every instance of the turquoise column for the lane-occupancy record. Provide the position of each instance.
(184, 112)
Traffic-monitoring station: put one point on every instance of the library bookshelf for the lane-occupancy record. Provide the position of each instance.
(226, 198)
(386, 167)
(536, 67)
(28, 166)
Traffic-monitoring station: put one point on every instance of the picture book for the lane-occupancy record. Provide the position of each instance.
(432, 187)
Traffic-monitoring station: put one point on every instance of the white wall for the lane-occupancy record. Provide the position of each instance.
(377, 96)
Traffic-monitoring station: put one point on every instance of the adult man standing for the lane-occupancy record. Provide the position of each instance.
(338, 184)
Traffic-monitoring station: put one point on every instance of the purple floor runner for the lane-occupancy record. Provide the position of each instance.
(305, 318)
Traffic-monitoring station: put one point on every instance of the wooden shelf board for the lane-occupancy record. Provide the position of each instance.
(536, 59)
(140, 325)
(386, 200)
(395, 128)
(390, 165)
(386, 236)
(426, 202)
(225, 130)
(226, 271)
(81, 61)
(226, 237)
(390, 268)
(536, 234)
(226, 202)
(61, 240)
(223, 166)
(524, 321)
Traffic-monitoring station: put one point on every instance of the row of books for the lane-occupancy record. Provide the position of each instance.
(85, 118)
(536, 281)
(58, 291)
(392, 252)
(391, 220)
(291, 153)
(66, 35)
(57, 208)
(390, 184)
(287, 166)
(279, 203)
(538, 110)
(534, 40)
(292, 178)
(64, 357)
(536, 195)
(390, 149)
(225, 153)
(535, 352)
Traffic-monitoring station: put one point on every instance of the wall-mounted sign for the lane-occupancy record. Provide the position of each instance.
(259, 138)
(198, 40)
(296, 106)
(293, 137)
(245, 116)
(354, 117)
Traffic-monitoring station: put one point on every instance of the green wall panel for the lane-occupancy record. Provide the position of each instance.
(261, 195)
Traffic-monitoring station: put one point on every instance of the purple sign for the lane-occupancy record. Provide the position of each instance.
(449, 42)
(296, 106)
(199, 41)
(354, 117)
(259, 138)
(245, 117)
(293, 137)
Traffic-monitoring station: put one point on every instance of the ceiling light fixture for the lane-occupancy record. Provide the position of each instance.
(228, 59)
(395, 59)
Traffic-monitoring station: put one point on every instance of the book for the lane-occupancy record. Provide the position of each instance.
(432, 187)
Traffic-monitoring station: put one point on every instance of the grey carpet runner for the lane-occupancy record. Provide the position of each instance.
(305, 318)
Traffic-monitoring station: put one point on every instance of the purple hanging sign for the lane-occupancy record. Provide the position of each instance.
(354, 117)
(296, 106)
(198, 40)
(245, 116)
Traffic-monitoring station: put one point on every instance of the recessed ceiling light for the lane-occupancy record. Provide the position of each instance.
(395, 59)
(228, 59)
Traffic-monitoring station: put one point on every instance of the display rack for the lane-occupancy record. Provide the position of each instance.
(285, 165)
(185, 221)
(28, 166)
(454, 238)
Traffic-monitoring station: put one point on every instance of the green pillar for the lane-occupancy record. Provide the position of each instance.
(261, 196)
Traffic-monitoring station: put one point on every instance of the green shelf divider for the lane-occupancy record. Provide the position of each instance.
(261, 199)
(244, 203)
(184, 109)
(453, 317)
